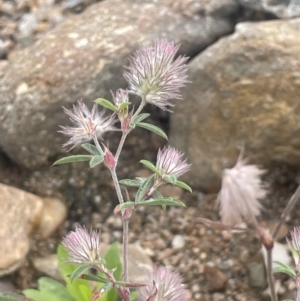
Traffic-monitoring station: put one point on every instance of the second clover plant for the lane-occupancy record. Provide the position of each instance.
(156, 76)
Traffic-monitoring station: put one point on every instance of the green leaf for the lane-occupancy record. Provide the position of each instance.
(123, 106)
(150, 166)
(122, 206)
(157, 195)
(79, 289)
(183, 185)
(42, 295)
(71, 159)
(92, 149)
(12, 297)
(80, 270)
(284, 268)
(153, 128)
(132, 183)
(49, 289)
(162, 202)
(140, 117)
(170, 179)
(96, 160)
(143, 189)
(106, 104)
(94, 278)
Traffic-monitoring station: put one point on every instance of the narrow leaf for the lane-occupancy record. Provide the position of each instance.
(162, 202)
(132, 183)
(71, 159)
(96, 160)
(143, 189)
(284, 268)
(170, 179)
(94, 278)
(92, 149)
(153, 128)
(122, 206)
(150, 166)
(105, 103)
(140, 117)
(79, 271)
(123, 106)
(183, 185)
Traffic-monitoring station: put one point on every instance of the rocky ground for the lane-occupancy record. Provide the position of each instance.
(215, 265)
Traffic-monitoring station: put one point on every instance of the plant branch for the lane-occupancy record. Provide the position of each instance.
(140, 108)
(121, 144)
(270, 275)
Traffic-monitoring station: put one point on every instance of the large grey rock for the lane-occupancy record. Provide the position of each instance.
(280, 8)
(245, 90)
(84, 58)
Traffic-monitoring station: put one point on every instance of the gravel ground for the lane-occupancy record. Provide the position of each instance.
(206, 258)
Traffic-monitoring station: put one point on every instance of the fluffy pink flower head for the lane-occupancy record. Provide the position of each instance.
(295, 238)
(163, 285)
(88, 124)
(169, 162)
(240, 193)
(153, 73)
(82, 246)
(294, 244)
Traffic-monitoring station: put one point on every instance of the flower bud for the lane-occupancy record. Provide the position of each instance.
(109, 159)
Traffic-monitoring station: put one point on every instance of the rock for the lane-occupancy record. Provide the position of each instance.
(178, 242)
(53, 214)
(83, 57)
(169, 190)
(22, 214)
(6, 286)
(257, 275)
(243, 91)
(215, 278)
(281, 9)
(49, 266)
(19, 214)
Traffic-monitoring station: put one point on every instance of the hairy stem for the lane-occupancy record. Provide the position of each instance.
(117, 185)
(125, 248)
(270, 275)
(121, 144)
(292, 202)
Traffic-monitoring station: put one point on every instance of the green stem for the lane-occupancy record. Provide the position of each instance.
(140, 108)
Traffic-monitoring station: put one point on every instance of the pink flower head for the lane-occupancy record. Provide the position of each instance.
(295, 238)
(169, 162)
(88, 124)
(240, 193)
(154, 75)
(163, 285)
(82, 246)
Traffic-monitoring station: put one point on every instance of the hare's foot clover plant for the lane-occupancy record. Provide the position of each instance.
(156, 76)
